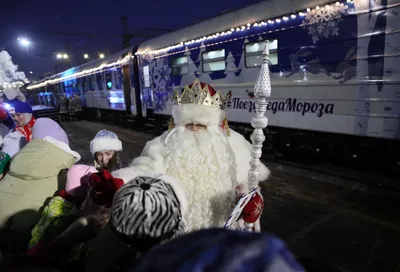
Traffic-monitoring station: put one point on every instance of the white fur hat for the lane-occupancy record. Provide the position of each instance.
(105, 140)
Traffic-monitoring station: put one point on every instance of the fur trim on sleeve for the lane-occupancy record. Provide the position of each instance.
(152, 158)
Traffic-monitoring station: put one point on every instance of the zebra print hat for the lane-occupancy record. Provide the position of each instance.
(148, 210)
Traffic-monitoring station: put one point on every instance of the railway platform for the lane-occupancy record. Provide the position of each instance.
(351, 229)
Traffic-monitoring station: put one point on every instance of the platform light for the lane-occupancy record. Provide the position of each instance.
(65, 56)
(101, 55)
(59, 56)
(85, 56)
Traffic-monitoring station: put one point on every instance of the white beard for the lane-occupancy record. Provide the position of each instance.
(204, 163)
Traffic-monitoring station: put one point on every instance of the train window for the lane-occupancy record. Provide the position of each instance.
(146, 75)
(254, 51)
(213, 60)
(109, 82)
(180, 66)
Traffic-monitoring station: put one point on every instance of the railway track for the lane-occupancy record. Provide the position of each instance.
(340, 176)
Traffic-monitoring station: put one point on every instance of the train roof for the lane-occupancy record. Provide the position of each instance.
(260, 11)
(93, 66)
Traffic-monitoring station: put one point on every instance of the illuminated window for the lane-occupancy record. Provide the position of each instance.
(213, 60)
(180, 66)
(109, 82)
(146, 75)
(254, 51)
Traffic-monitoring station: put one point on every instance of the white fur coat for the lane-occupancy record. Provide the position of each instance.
(152, 160)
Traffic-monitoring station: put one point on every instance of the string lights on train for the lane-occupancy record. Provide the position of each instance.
(271, 21)
(82, 73)
(242, 28)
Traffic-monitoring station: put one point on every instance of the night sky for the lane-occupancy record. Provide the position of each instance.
(91, 26)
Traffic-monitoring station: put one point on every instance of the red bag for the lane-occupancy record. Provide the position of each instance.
(253, 209)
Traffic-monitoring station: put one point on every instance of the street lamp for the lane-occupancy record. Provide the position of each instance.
(101, 56)
(59, 56)
(86, 56)
(65, 56)
(24, 42)
(31, 72)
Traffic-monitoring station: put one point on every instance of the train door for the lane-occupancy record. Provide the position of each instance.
(127, 89)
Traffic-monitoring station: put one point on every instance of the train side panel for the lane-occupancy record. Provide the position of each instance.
(336, 76)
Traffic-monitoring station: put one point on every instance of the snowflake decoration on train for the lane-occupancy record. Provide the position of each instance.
(161, 82)
(324, 22)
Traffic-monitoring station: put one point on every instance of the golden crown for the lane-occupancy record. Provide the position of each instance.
(200, 96)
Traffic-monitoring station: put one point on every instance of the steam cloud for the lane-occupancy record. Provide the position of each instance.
(9, 71)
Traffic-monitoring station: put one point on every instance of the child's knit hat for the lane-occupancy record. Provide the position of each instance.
(105, 140)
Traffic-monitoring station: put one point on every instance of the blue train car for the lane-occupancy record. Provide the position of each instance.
(335, 82)
(104, 85)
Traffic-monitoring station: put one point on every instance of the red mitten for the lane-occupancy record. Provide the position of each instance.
(253, 209)
(104, 187)
(3, 112)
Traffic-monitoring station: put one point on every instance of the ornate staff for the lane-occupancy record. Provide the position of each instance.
(262, 90)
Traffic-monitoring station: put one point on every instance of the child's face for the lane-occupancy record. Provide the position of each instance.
(19, 119)
(104, 158)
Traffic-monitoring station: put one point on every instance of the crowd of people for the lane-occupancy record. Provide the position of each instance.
(165, 211)
(70, 109)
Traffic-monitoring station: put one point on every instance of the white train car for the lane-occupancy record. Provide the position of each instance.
(334, 71)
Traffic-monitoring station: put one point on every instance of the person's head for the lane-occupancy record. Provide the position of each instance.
(148, 210)
(106, 148)
(101, 189)
(21, 112)
(220, 250)
(78, 180)
(199, 108)
(18, 107)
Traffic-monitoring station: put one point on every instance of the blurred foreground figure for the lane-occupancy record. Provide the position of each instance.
(220, 250)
